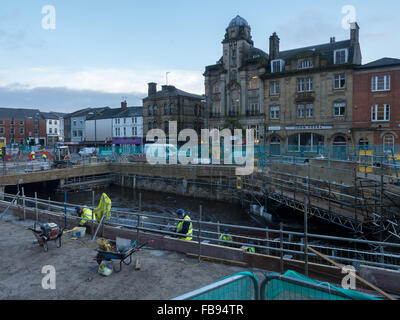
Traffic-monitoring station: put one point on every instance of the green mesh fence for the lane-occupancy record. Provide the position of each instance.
(294, 286)
(242, 286)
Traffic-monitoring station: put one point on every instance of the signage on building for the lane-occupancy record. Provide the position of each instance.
(274, 128)
(313, 127)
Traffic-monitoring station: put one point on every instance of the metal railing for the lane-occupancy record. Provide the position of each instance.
(287, 245)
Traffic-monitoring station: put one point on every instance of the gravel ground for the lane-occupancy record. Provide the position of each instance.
(163, 274)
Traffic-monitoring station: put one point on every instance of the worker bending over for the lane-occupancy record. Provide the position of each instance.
(86, 214)
(184, 227)
(225, 237)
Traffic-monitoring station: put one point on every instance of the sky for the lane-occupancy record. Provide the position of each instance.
(95, 53)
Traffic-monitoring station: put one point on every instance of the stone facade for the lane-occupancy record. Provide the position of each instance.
(309, 95)
(172, 104)
(233, 86)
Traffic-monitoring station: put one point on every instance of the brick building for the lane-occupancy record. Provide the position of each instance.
(376, 114)
(22, 126)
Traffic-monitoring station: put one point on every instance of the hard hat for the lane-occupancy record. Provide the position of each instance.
(180, 212)
(226, 230)
(77, 209)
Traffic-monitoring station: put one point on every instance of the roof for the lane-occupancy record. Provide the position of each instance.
(238, 21)
(52, 115)
(102, 113)
(255, 53)
(171, 91)
(18, 113)
(130, 112)
(326, 50)
(384, 62)
(85, 112)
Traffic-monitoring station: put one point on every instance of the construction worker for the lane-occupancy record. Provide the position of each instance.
(103, 209)
(251, 249)
(44, 155)
(86, 214)
(33, 155)
(184, 227)
(1, 153)
(225, 237)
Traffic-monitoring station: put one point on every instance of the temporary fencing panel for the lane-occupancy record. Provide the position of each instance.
(242, 286)
(294, 286)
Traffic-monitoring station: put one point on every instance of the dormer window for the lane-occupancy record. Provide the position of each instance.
(341, 56)
(277, 65)
(305, 64)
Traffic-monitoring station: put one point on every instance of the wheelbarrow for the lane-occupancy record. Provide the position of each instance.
(47, 232)
(123, 257)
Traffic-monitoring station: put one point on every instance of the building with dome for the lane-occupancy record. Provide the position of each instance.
(298, 100)
(232, 86)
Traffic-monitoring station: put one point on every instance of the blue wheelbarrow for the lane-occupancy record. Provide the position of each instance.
(124, 257)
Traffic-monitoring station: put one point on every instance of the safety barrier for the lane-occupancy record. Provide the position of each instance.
(290, 286)
(293, 286)
(242, 286)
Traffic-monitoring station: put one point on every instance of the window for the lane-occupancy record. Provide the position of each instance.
(1, 130)
(50, 130)
(80, 134)
(339, 109)
(155, 125)
(300, 111)
(11, 130)
(253, 83)
(116, 132)
(21, 123)
(340, 56)
(388, 142)
(155, 110)
(380, 83)
(340, 81)
(150, 125)
(380, 112)
(124, 131)
(171, 108)
(363, 142)
(55, 130)
(309, 110)
(1, 122)
(274, 112)
(124, 120)
(274, 88)
(277, 65)
(305, 84)
(73, 133)
(305, 64)
(134, 131)
(165, 109)
(149, 113)
(216, 88)
(305, 142)
(50, 122)
(73, 123)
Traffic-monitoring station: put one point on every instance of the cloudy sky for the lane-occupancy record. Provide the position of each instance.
(101, 51)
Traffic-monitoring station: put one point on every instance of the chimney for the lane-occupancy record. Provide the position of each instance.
(274, 46)
(124, 105)
(333, 39)
(354, 32)
(152, 88)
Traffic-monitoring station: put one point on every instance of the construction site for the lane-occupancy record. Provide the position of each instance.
(347, 212)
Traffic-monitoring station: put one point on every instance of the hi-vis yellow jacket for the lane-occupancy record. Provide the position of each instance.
(188, 224)
(104, 208)
(87, 215)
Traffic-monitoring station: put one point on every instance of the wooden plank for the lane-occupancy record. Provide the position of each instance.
(218, 260)
(386, 279)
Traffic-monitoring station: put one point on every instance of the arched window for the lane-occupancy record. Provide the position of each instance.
(171, 108)
(339, 141)
(155, 110)
(388, 143)
(363, 142)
